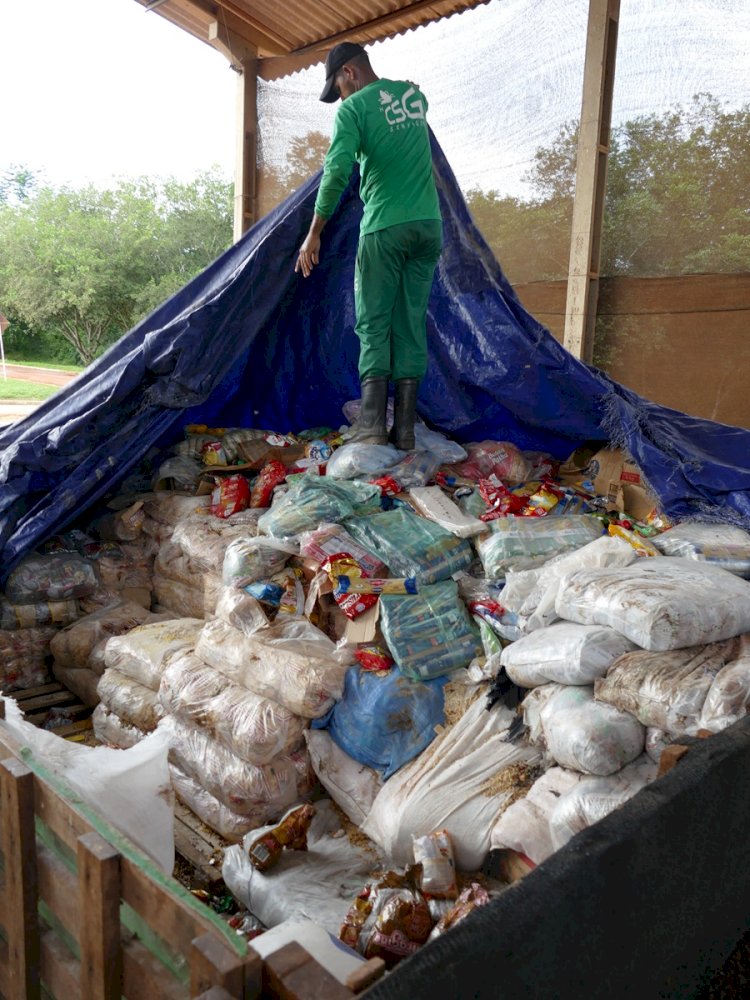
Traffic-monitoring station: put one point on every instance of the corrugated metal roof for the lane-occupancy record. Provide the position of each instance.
(292, 34)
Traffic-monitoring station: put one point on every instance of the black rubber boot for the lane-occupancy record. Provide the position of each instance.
(371, 427)
(405, 412)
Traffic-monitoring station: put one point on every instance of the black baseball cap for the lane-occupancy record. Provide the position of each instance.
(336, 58)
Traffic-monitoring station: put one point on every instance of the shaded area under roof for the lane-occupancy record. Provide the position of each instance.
(295, 34)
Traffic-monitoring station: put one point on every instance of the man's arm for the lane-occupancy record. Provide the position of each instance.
(336, 173)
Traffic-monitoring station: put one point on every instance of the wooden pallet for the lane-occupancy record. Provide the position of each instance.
(38, 702)
(199, 845)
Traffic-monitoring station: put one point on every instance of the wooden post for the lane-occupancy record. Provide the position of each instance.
(99, 896)
(213, 964)
(591, 178)
(21, 889)
(245, 167)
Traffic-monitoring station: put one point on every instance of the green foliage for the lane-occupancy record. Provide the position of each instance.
(677, 201)
(21, 390)
(83, 266)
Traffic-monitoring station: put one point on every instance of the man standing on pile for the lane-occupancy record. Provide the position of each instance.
(381, 124)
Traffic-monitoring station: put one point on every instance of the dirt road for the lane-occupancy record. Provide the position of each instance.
(42, 376)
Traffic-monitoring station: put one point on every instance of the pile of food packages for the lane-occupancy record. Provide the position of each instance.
(376, 667)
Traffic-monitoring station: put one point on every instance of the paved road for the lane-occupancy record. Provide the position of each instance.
(42, 376)
(10, 412)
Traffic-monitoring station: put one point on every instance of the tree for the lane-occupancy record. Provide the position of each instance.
(305, 156)
(677, 200)
(87, 264)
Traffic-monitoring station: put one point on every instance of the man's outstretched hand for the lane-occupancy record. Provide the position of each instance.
(309, 255)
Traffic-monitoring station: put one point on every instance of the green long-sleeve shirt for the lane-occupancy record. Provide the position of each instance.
(383, 127)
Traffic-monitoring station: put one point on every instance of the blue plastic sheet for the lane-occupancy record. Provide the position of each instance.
(250, 343)
(385, 720)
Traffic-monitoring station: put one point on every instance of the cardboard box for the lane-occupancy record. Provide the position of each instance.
(608, 472)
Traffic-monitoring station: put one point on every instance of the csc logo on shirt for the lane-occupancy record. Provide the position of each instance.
(410, 105)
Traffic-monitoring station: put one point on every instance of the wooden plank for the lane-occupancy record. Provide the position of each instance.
(291, 973)
(73, 728)
(58, 887)
(60, 971)
(689, 293)
(34, 692)
(55, 699)
(19, 854)
(193, 844)
(213, 964)
(367, 974)
(591, 174)
(99, 900)
(245, 161)
(145, 978)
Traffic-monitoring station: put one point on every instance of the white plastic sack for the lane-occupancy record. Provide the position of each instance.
(194, 600)
(521, 542)
(595, 798)
(291, 662)
(168, 507)
(564, 653)
(460, 783)
(524, 826)
(351, 785)
(204, 538)
(659, 604)
(81, 681)
(241, 610)
(580, 733)
(72, 647)
(356, 460)
(318, 884)
(255, 729)
(130, 789)
(227, 823)
(729, 695)
(135, 704)
(438, 444)
(530, 594)
(724, 545)
(668, 690)
(260, 793)
(431, 502)
(656, 742)
(142, 653)
(111, 730)
(249, 559)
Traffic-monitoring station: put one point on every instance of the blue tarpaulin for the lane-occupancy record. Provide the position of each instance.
(250, 343)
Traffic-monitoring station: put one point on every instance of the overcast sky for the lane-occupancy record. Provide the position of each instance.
(95, 89)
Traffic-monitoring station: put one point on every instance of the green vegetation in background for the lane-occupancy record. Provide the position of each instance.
(22, 391)
(78, 268)
(677, 199)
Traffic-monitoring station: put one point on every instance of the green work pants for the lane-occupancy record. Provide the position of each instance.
(392, 282)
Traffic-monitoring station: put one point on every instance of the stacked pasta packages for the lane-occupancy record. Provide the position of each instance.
(192, 542)
(128, 689)
(238, 705)
(41, 596)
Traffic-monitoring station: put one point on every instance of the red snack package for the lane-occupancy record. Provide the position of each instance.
(372, 656)
(499, 500)
(351, 604)
(230, 496)
(388, 486)
(269, 477)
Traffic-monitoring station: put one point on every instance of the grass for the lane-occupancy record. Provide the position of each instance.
(17, 389)
(45, 364)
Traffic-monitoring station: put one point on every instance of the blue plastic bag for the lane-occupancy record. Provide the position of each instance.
(384, 720)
